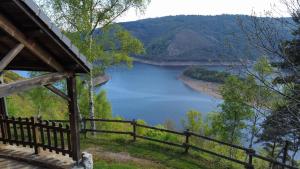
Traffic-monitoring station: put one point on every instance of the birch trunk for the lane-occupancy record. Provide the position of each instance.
(91, 91)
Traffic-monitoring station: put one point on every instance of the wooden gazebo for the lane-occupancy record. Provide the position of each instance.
(30, 42)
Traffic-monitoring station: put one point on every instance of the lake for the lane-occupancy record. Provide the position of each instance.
(154, 94)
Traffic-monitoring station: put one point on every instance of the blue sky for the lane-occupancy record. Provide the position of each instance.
(158, 8)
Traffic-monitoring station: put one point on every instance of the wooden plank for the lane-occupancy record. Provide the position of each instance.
(69, 141)
(16, 138)
(13, 31)
(23, 85)
(58, 92)
(48, 136)
(22, 131)
(42, 134)
(8, 131)
(74, 118)
(10, 56)
(55, 137)
(109, 131)
(62, 139)
(28, 128)
(34, 135)
(3, 130)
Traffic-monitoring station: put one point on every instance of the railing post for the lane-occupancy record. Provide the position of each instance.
(285, 153)
(134, 129)
(250, 153)
(16, 137)
(187, 140)
(3, 129)
(34, 135)
(84, 127)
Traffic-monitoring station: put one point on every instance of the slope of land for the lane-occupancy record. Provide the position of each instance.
(117, 152)
(194, 38)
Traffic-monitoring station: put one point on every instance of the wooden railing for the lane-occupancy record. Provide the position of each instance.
(186, 145)
(53, 136)
(36, 134)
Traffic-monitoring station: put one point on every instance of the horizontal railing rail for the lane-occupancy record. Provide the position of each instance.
(218, 141)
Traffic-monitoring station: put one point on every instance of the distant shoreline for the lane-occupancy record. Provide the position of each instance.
(209, 88)
(185, 63)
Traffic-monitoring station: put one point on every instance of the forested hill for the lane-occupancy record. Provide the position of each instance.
(192, 38)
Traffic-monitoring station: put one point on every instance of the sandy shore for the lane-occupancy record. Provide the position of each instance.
(185, 63)
(209, 88)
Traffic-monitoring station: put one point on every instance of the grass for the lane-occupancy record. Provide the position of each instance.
(105, 165)
(158, 156)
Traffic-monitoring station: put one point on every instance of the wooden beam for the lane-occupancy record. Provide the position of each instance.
(23, 85)
(58, 92)
(74, 118)
(13, 31)
(35, 33)
(10, 56)
(3, 108)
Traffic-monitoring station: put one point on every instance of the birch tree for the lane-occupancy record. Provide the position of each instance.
(111, 44)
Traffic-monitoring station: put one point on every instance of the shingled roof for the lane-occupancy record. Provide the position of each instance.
(36, 31)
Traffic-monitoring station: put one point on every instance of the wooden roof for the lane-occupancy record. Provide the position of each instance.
(44, 43)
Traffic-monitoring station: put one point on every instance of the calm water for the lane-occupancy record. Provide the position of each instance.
(154, 94)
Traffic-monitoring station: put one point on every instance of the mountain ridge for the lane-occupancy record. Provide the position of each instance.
(196, 38)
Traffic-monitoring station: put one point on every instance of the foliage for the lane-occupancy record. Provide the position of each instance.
(200, 73)
(102, 105)
(110, 45)
(81, 20)
(193, 121)
(282, 123)
(10, 76)
(36, 102)
(230, 122)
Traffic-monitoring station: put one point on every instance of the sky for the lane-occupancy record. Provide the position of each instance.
(159, 8)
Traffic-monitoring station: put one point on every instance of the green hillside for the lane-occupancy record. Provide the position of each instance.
(193, 38)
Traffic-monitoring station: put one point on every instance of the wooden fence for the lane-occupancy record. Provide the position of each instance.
(186, 145)
(45, 134)
(36, 134)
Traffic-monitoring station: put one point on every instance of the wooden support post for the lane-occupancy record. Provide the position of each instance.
(10, 56)
(3, 129)
(187, 140)
(134, 129)
(3, 109)
(285, 153)
(74, 118)
(250, 153)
